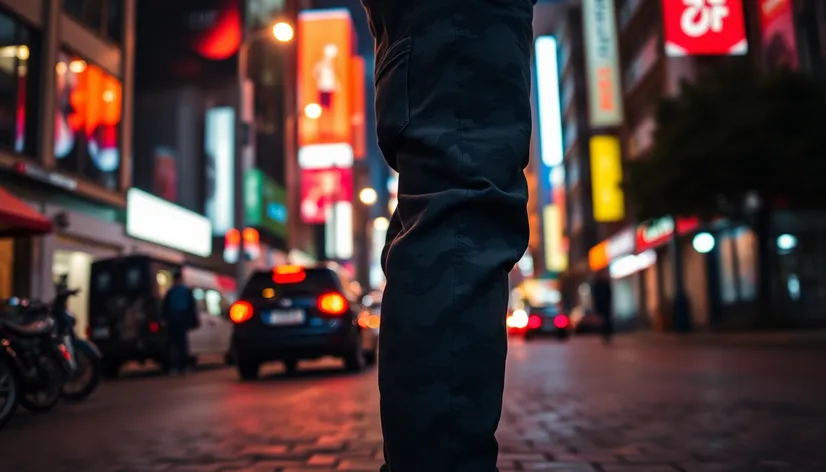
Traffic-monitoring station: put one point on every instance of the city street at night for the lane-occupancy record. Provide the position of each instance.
(646, 404)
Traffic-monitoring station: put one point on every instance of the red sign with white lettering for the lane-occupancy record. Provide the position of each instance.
(704, 27)
(657, 232)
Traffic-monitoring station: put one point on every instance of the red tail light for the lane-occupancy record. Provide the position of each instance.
(154, 327)
(332, 304)
(288, 274)
(534, 322)
(240, 312)
(561, 321)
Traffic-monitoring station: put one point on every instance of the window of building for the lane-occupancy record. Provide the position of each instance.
(88, 119)
(18, 81)
(104, 17)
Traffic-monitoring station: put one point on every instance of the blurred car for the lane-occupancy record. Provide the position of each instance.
(531, 322)
(294, 313)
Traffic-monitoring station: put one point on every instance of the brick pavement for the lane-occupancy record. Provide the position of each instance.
(572, 407)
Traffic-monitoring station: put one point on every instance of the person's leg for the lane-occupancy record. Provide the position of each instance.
(454, 119)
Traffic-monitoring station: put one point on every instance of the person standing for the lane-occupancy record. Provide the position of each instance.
(453, 115)
(604, 305)
(180, 312)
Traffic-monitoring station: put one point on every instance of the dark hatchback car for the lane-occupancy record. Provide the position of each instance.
(294, 313)
(547, 321)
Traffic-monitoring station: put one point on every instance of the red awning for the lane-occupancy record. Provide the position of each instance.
(19, 219)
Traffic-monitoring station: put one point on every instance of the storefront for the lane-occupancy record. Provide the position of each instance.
(18, 222)
(617, 256)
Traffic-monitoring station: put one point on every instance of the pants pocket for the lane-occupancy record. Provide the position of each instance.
(392, 99)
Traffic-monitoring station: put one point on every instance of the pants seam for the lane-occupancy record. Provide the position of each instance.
(457, 258)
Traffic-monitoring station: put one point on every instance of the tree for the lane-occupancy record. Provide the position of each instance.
(732, 137)
(734, 133)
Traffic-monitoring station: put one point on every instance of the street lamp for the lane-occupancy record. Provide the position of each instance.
(368, 196)
(282, 32)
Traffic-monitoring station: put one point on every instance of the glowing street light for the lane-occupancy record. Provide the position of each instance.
(381, 223)
(368, 196)
(283, 32)
(313, 111)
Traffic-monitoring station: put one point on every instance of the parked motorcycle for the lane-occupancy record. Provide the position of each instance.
(9, 385)
(39, 360)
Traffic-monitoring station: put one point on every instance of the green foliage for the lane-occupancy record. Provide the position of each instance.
(731, 133)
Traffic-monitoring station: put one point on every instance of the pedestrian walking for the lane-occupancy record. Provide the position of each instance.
(180, 313)
(453, 118)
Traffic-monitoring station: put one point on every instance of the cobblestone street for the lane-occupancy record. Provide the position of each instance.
(573, 407)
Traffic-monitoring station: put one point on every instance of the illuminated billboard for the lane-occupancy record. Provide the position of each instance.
(606, 179)
(155, 220)
(325, 62)
(87, 121)
(704, 27)
(321, 188)
(602, 62)
(547, 97)
(219, 149)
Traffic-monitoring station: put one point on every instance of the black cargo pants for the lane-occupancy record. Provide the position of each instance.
(454, 119)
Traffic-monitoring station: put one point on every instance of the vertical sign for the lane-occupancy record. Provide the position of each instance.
(358, 108)
(778, 33)
(220, 149)
(602, 61)
(325, 61)
(606, 174)
(548, 101)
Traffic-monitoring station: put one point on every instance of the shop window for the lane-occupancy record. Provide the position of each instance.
(104, 17)
(212, 300)
(88, 121)
(18, 81)
(728, 263)
(746, 245)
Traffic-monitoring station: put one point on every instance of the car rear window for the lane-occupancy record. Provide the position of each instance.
(545, 310)
(316, 282)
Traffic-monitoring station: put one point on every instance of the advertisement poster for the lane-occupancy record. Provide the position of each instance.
(219, 147)
(325, 61)
(87, 121)
(701, 27)
(778, 33)
(602, 63)
(320, 188)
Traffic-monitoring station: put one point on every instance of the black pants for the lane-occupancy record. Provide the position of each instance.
(178, 350)
(454, 119)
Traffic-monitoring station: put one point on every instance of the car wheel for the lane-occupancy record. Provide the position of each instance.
(291, 366)
(249, 370)
(355, 360)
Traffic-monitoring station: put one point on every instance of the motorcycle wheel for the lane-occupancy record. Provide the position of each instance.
(85, 380)
(9, 393)
(45, 398)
